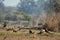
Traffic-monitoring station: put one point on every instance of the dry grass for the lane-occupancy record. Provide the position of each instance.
(29, 38)
(24, 35)
(52, 21)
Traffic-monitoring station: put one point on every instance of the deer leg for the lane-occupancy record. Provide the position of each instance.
(41, 31)
(46, 30)
(30, 31)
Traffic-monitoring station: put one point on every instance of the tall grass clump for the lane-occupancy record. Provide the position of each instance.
(52, 22)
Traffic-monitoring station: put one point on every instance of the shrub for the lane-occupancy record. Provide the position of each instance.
(52, 22)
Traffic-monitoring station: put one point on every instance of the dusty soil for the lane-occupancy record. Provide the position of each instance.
(27, 38)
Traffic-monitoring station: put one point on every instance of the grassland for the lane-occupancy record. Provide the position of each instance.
(25, 35)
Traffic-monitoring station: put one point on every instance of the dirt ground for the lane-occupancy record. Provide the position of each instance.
(27, 38)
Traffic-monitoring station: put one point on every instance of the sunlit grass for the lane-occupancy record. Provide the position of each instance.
(25, 33)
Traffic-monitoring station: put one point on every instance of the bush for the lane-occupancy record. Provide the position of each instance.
(52, 22)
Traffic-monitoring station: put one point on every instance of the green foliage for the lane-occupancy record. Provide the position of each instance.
(14, 16)
(26, 16)
(1, 17)
(54, 6)
(10, 17)
(17, 12)
(2, 7)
